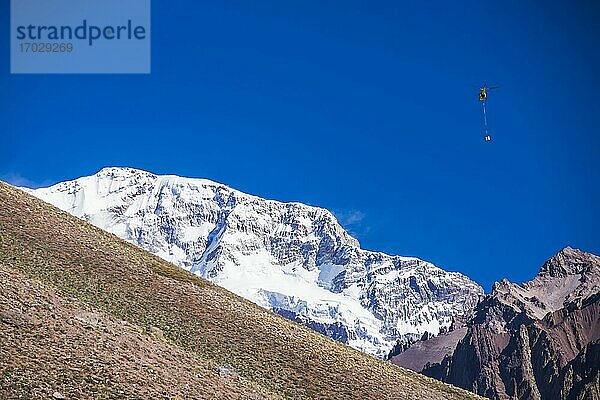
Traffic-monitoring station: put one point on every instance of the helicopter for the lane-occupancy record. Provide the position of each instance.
(483, 92)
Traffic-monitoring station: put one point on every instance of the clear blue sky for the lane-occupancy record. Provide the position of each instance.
(365, 108)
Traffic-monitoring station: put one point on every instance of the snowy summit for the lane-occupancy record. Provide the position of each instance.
(289, 257)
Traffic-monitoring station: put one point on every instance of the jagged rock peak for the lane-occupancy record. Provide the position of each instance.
(569, 261)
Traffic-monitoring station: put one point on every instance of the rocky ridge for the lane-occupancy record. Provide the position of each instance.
(538, 340)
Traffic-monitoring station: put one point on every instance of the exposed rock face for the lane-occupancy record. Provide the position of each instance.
(335, 331)
(539, 340)
(580, 378)
(289, 257)
(428, 351)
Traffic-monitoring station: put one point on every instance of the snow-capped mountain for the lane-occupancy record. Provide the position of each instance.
(290, 257)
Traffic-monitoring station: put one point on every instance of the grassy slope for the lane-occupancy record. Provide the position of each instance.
(50, 343)
(200, 321)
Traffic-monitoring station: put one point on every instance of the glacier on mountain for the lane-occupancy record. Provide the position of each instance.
(289, 257)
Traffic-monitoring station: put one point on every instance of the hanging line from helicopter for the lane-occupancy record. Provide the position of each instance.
(485, 123)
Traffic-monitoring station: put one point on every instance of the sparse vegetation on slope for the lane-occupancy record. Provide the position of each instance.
(53, 344)
(169, 314)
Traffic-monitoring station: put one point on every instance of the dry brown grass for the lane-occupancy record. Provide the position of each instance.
(49, 343)
(200, 319)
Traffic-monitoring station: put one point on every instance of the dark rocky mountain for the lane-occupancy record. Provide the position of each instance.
(538, 340)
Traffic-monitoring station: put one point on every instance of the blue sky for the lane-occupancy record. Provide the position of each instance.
(364, 108)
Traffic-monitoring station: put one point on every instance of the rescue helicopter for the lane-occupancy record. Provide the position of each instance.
(483, 92)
